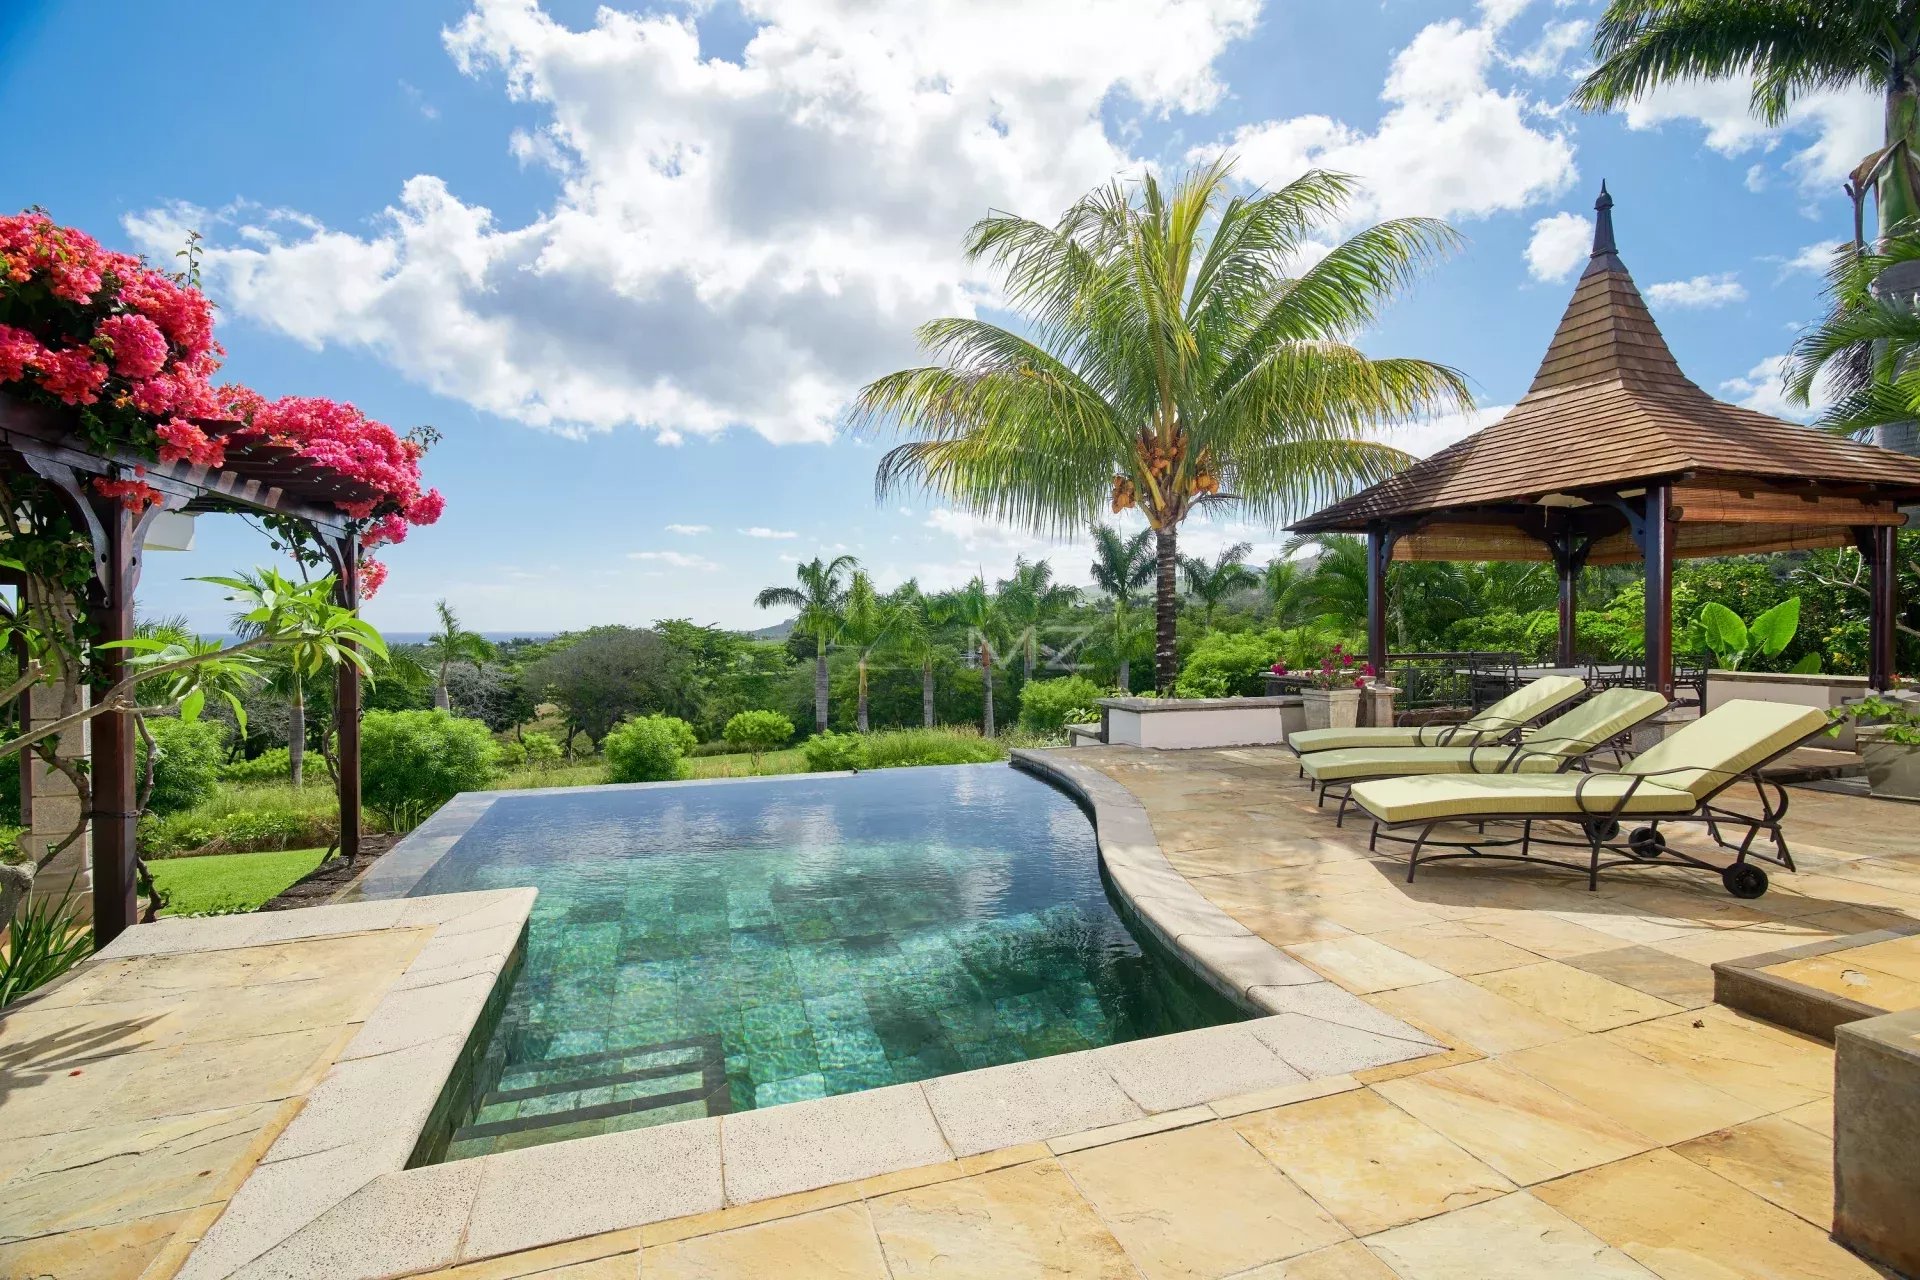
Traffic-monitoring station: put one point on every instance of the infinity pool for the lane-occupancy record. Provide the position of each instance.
(708, 948)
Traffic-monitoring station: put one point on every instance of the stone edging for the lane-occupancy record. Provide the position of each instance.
(333, 1200)
(1743, 984)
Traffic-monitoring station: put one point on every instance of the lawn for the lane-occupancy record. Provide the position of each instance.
(224, 882)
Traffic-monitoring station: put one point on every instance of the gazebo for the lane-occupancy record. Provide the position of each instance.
(257, 476)
(1613, 456)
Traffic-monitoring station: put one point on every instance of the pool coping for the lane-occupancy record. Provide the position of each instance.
(333, 1197)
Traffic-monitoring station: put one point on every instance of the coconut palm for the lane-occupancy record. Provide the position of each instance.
(450, 644)
(1126, 632)
(1175, 359)
(1791, 49)
(1227, 575)
(1284, 580)
(1866, 352)
(981, 612)
(1335, 588)
(1029, 600)
(917, 631)
(820, 596)
(867, 621)
(1122, 568)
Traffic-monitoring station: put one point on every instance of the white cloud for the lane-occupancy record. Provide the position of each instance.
(1549, 53)
(1450, 144)
(688, 530)
(761, 531)
(1764, 387)
(1559, 244)
(1813, 260)
(735, 241)
(678, 559)
(1832, 129)
(1756, 178)
(1427, 436)
(1699, 291)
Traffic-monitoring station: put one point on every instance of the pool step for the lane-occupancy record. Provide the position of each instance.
(596, 1092)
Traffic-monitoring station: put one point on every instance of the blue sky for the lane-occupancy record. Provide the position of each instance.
(631, 262)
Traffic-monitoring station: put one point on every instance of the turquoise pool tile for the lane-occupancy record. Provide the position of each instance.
(792, 1089)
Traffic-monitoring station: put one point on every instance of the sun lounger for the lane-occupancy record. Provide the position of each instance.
(1561, 743)
(1679, 780)
(1497, 723)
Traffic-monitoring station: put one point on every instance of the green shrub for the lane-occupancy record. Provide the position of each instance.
(1225, 665)
(412, 762)
(958, 744)
(758, 732)
(45, 939)
(828, 752)
(272, 765)
(186, 765)
(1049, 706)
(542, 751)
(508, 754)
(647, 749)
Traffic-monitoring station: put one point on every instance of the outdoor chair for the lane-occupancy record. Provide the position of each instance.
(1679, 780)
(1498, 723)
(1560, 744)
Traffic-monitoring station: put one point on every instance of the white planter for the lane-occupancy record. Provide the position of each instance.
(1331, 708)
(1821, 691)
(1893, 768)
(1178, 723)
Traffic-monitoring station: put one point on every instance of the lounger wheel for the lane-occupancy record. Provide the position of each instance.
(1645, 842)
(1605, 830)
(1744, 880)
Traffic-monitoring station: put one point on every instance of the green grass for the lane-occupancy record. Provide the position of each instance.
(251, 818)
(227, 882)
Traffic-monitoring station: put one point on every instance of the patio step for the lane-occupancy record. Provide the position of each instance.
(599, 1092)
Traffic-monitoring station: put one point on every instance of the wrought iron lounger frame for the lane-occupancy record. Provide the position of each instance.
(1644, 846)
(1508, 734)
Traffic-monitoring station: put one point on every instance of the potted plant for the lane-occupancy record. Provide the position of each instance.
(1887, 736)
(1331, 695)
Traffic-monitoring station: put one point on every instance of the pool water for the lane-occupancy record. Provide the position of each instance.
(702, 949)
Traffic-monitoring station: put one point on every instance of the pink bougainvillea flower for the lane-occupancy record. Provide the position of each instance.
(373, 575)
(181, 440)
(72, 374)
(138, 348)
(18, 352)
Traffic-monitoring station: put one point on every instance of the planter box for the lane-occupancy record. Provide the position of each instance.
(1199, 722)
(1893, 768)
(1822, 692)
(1331, 708)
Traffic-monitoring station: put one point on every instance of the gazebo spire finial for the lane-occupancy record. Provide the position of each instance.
(1606, 254)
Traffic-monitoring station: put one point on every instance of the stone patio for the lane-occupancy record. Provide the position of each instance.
(1593, 1112)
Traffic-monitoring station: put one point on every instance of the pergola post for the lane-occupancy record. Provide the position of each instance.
(346, 700)
(1656, 548)
(1878, 547)
(1379, 554)
(1569, 558)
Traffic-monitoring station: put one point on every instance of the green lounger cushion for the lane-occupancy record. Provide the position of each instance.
(1726, 742)
(1677, 775)
(1376, 762)
(1586, 728)
(1523, 706)
(1551, 795)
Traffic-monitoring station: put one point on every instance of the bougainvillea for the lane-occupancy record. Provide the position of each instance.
(133, 350)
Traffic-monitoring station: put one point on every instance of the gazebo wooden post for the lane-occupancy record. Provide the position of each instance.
(1656, 547)
(1569, 558)
(1878, 547)
(1379, 554)
(346, 698)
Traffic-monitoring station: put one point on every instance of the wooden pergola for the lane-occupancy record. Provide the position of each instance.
(1615, 456)
(258, 476)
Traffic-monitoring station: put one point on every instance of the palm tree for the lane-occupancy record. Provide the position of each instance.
(450, 644)
(1124, 632)
(1284, 580)
(820, 596)
(1867, 349)
(1228, 575)
(1175, 360)
(981, 612)
(1791, 48)
(1029, 600)
(1335, 589)
(284, 681)
(867, 621)
(1122, 567)
(917, 631)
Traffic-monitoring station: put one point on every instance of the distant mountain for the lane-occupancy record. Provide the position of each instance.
(778, 631)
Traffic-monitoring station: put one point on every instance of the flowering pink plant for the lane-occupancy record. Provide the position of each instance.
(133, 350)
(1338, 671)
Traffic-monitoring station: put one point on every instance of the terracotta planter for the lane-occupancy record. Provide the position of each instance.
(1893, 768)
(1331, 708)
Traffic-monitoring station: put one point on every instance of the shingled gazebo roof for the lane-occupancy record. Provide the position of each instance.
(1608, 412)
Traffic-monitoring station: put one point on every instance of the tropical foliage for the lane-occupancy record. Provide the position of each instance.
(1172, 358)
